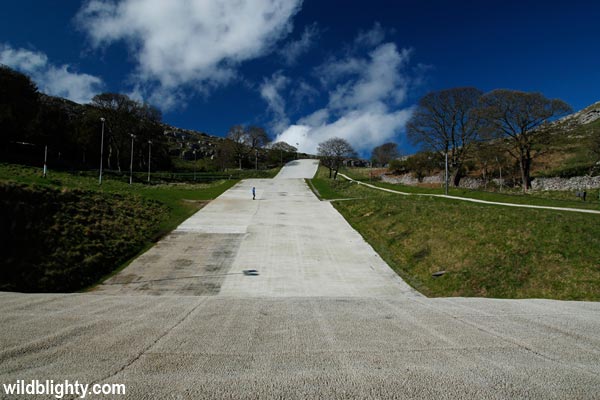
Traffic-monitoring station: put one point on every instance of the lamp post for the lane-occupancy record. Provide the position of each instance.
(101, 152)
(45, 160)
(297, 150)
(195, 163)
(149, 157)
(500, 167)
(446, 177)
(131, 162)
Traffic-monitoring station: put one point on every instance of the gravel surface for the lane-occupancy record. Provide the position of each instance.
(323, 319)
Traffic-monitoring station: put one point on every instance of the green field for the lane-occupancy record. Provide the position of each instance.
(486, 250)
(517, 196)
(65, 232)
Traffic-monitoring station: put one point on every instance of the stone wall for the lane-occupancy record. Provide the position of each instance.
(574, 183)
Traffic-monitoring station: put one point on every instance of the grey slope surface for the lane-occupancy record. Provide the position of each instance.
(324, 327)
(299, 246)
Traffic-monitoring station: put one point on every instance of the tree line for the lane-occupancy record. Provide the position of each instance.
(30, 121)
(461, 122)
(471, 127)
(74, 133)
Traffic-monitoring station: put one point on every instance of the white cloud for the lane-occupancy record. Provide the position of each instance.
(372, 37)
(333, 70)
(270, 91)
(51, 79)
(196, 44)
(364, 94)
(319, 117)
(363, 129)
(379, 80)
(293, 50)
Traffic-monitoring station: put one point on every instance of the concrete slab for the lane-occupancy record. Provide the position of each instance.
(299, 245)
(306, 347)
(325, 318)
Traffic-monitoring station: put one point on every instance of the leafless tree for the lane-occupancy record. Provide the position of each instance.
(447, 122)
(239, 139)
(333, 152)
(385, 153)
(516, 118)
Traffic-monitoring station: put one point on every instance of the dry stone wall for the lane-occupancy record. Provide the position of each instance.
(574, 183)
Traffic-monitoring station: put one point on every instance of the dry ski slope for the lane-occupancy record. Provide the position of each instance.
(324, 318)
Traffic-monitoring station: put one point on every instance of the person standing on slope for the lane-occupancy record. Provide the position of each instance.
(253, 193)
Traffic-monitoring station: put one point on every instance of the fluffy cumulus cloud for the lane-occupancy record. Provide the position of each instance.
(51, 79)
(365, 96)
(194, 44)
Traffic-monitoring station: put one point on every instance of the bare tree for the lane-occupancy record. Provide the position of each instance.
(281, 148)
(125, 116)
(256, 137)
(333, 152)
(447, 122)
(385, 153)
(239, 138)
(516, 118)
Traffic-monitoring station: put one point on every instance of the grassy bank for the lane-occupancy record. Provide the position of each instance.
(64, 232)
(488, 251)
(540, 198)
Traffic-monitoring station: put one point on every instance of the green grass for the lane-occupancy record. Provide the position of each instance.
(487, 250)
(540, 198)
(65, 232)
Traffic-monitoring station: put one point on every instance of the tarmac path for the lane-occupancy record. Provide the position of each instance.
(324, 318)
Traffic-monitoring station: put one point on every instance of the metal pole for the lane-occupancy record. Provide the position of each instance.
(45, 160)
(195, 163)
(500, 167)
(101, 152)
(131, 163)
(256, 159)
(149, 157)
(446, 180)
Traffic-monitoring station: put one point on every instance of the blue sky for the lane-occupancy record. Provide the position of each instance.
(307, 70)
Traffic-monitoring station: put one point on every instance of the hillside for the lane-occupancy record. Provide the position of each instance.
(568, 153)
(182, 142)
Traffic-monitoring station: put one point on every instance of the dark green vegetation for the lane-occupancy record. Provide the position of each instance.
(488, 251)
(65, 232)
(73, 133)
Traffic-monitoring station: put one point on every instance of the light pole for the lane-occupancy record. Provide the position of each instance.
(500, 167)
(101, 151)
(446, 178)
(195, 163)
(256, 159)
(45, 160)
(149, 157)
(297, 150)
(131, 162)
